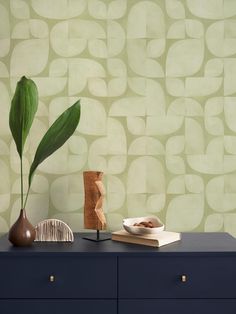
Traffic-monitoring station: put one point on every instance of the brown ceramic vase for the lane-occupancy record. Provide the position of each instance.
(22, 233)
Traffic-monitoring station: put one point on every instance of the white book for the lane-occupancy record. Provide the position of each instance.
(155, 240)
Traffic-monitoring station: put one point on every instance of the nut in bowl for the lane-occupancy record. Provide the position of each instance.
(143, 225)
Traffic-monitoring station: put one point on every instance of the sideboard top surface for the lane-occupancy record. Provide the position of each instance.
(191, 244)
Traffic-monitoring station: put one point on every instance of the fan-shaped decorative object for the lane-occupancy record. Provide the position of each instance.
(53, 230)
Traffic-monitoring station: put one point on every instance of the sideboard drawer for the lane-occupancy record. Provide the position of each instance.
(58, 306)
(72, 277)
(161, 277)
(186, 306)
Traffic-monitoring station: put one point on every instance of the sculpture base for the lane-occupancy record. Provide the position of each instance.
(98, 237)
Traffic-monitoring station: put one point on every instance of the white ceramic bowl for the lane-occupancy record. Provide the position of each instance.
(128, 225)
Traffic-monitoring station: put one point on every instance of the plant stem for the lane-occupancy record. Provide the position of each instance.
(27, 194)
(21, 182)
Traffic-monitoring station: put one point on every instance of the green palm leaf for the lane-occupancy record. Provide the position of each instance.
(56, 136)
(23, 108)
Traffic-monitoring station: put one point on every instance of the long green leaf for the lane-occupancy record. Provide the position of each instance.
(56, 136)
(23, 108)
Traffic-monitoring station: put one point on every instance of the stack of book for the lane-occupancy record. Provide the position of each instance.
(155, 240)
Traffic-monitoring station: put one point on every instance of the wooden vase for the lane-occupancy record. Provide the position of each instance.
(22, 233)
(93, 204)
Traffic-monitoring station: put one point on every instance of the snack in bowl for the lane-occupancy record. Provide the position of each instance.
(146, 224)
(143, 225)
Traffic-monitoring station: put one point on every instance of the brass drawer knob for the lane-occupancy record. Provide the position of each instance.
(183, 278)
(51, 278)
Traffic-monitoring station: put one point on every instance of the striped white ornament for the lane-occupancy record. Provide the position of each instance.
(53, 230)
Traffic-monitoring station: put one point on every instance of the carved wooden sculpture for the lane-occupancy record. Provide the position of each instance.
(94, 217)
(53, 230)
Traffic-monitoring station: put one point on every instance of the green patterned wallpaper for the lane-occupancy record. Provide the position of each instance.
(157, 82)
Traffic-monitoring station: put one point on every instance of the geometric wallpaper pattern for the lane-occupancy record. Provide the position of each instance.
(157, 83)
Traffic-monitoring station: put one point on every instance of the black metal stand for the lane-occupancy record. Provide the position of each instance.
(98, 237)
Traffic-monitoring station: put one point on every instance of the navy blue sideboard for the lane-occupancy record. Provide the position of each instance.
(196, 275)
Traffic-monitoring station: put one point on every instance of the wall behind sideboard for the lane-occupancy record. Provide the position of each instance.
(157, 82)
